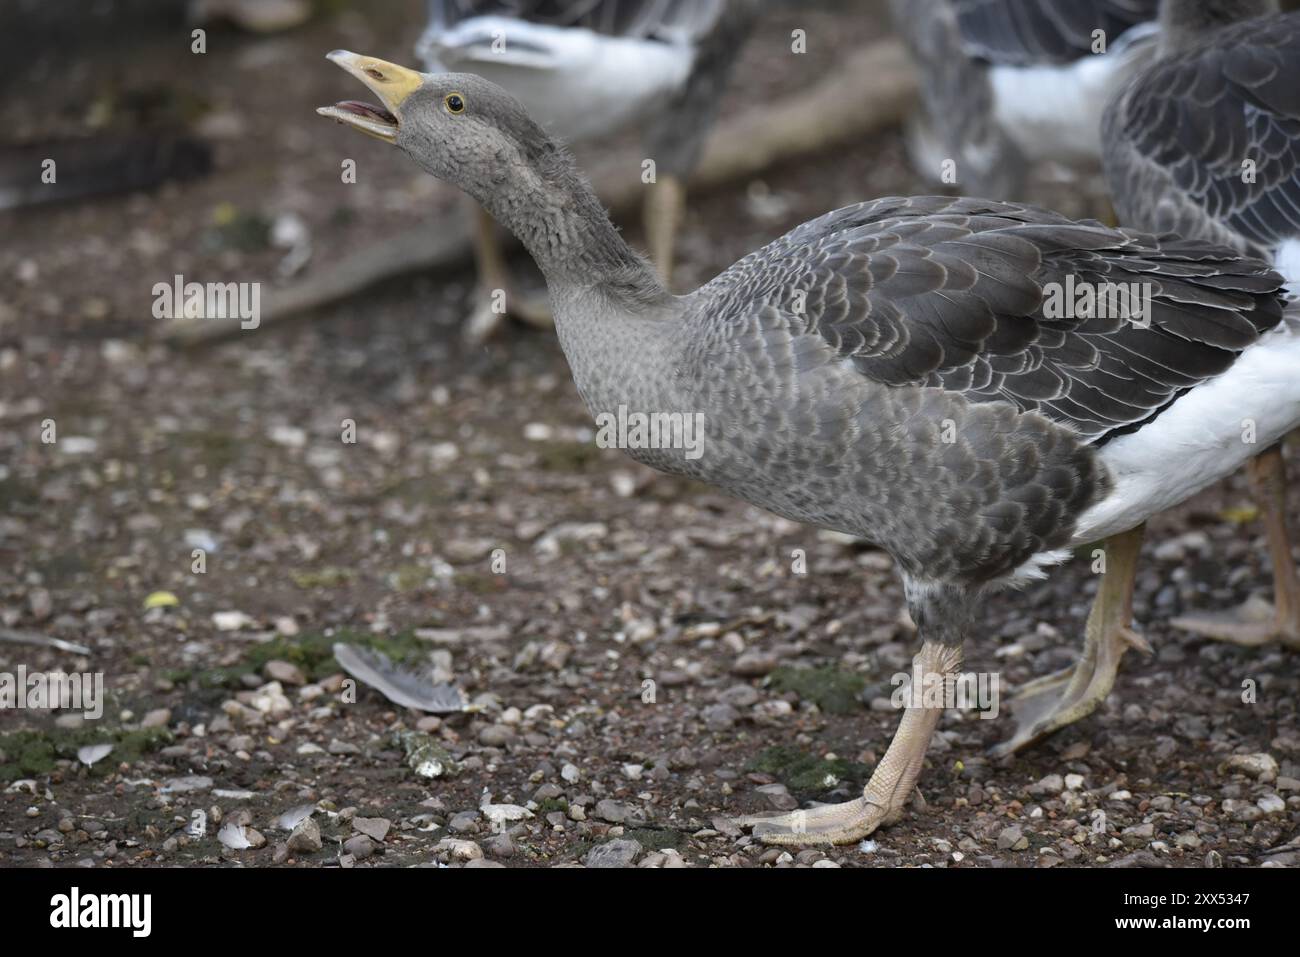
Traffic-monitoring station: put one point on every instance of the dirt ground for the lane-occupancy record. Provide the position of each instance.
(652, 659)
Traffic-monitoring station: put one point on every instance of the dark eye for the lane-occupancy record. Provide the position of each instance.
(455, 103)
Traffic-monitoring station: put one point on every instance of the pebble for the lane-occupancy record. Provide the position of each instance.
(359, 846)
(1012, 839)
(1260, 766)
(285, 671)
(754, 664)
(376, 828)
(611, 811)
(453, 849)
(305, 838)
(719, 717)
(495, 736)
(464, 822)
(620, 852)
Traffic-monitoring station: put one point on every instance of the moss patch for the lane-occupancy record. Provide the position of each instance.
(832, 690)
(313, 654)
(806, 774)
(32, 753)
(655, 838)
(322, 577)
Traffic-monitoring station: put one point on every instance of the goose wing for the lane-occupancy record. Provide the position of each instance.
(636, 19)
(1179, 138)
(957, 294)
(1031, 32)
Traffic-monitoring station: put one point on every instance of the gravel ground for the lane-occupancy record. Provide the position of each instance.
(653, 656)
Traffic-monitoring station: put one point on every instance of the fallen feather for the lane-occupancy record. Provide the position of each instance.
(91, 753)
(234, 836)
(399, 685)
(33, 638)
(294, 816)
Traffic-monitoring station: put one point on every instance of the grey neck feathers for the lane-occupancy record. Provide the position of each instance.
(554, 212)
(1188, 23)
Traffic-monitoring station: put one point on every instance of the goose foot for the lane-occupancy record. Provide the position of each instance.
(1257, 622)
(1253, 623)
(1055, 701)
(487, 318)
(885, 795)
(844, 823)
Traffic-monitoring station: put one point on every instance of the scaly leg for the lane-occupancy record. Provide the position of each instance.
(665, 205)
(885, 795)
(1256, 622)
(496, 296)
(1109, 633)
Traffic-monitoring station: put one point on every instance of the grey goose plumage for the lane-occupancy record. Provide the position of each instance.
(886, 370)
(1206, 142)
(1008, 84)
(1179, 135)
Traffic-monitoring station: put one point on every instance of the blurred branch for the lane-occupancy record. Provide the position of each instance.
(872, 90)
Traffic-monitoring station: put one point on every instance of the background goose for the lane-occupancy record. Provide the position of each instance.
(1176, 141)
(1007, 84)
(1222, 92)
(584, 68)
(888, 370)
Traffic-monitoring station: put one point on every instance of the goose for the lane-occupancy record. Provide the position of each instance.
(584, 68)
(903, 370)
(1009, 84)
(1224, 90)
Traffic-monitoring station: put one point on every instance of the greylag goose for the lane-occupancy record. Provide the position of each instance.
(898, 370)
(1179, 141)
(584, 68)
(1008, 84)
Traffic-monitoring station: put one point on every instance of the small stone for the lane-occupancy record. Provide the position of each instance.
(611, 811)
(464, 822)
(449, 848)
(1074, 781)
(284, 671)
(719, 717)
(359, 846)
(1012, 839)
(1050, 785)
(305, 838)
(1271, 804)
(157, 718)
(495, 736)
(375, 828)
(1260, 766)
(754, 664)
(620, 852)
(570, 773)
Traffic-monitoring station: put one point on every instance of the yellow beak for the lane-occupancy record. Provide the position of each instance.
(388, 81)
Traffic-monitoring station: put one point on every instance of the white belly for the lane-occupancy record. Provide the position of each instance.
(1203, 437)
(575, 82)
(1053, 113)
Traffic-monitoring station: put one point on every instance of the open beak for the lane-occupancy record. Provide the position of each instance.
(388, 81)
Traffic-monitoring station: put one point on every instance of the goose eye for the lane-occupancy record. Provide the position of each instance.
(454, 102)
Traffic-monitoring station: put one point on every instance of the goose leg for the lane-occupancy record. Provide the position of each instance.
(496, 294)
(665, 205)
(1257, 622)
(1057, 700)
(885, 795)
